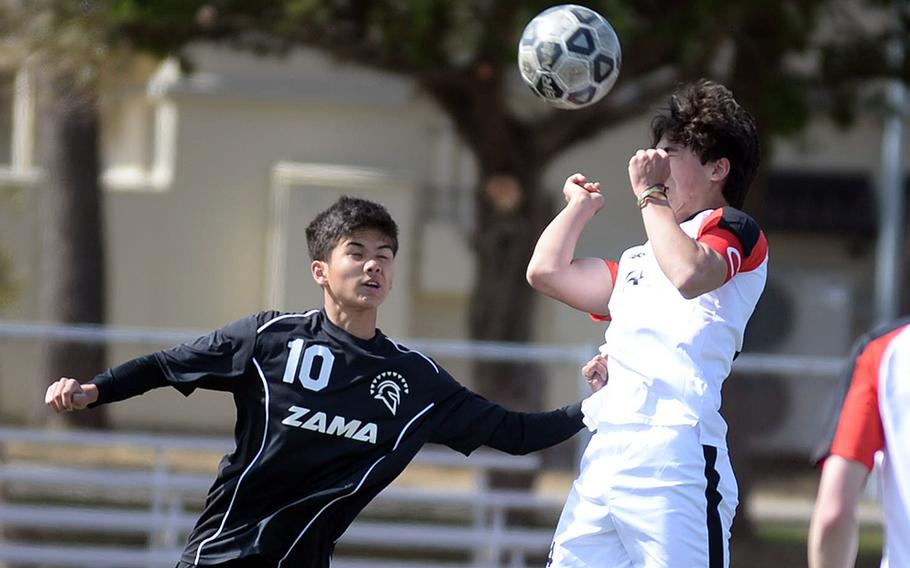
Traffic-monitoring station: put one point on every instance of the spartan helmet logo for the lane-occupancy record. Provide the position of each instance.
(389, 387)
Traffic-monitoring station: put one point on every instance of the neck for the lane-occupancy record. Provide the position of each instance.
(707, 204)
(359, 323)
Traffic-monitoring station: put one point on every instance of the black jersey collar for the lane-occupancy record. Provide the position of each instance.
(342, 335)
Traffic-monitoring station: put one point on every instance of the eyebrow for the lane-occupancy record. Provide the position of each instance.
(361, 245)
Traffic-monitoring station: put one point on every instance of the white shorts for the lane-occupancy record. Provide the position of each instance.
(647, 497)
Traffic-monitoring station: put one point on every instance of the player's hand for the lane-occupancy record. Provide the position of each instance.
(648, 168)
(578, 188)
(595, 372)
(67, 394)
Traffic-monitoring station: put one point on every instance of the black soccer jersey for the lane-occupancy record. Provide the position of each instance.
(325, 421)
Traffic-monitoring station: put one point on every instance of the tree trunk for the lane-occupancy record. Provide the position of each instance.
(72, 255)
(511, 216)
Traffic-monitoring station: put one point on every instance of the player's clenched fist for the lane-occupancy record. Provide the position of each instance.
(595, 372)
(648, 168)
(68, 394)
(577, 187)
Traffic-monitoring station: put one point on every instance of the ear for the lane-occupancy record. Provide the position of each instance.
(720, 169)
(319, 269)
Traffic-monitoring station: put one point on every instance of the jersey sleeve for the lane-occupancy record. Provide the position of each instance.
(215, 361)
(470, 421)
(130, 379)
(859, 431)
(736, 237)
(613, 266)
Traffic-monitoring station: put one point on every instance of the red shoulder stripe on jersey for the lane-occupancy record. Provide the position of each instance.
(752, 243)
(614, 271)
(727, 245)
(823, 450)
(758, 256)
(711, 221)
(859, 429)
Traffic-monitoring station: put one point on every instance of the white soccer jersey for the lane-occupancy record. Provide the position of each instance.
(875, 416)
(668, 356)
(894, 406)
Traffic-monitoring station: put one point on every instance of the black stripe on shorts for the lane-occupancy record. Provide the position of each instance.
(713, 498)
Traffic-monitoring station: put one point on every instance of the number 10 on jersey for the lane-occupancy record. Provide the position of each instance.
(316, 358)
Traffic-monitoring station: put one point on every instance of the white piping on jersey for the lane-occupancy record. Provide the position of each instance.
(356, 489)
(265, 437)
(406, 350)
(408, 425)
(285, 316)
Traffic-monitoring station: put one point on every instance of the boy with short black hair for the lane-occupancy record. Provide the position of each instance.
(329, 409)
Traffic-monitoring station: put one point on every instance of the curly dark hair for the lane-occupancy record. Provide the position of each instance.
(344, 218)
(705, 118)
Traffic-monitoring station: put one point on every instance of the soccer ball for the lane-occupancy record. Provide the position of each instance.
(569, 55)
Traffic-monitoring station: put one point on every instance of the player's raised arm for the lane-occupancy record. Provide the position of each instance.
(583, 283)
(691, 266)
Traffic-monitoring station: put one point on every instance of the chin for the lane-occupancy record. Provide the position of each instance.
(369, 302)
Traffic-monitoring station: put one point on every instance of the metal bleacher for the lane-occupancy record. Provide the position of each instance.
(137, 515)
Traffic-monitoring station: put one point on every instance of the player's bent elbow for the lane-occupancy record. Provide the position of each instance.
(692, 283)
(540, 278)
(689, 292)
(688, 286)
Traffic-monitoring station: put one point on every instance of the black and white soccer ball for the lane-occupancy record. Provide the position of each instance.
(570, 56)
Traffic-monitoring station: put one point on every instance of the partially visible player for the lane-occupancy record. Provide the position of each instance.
(329, 409)
(875, 417)
(655, 487)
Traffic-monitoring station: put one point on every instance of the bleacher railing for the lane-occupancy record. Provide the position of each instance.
(483, 537)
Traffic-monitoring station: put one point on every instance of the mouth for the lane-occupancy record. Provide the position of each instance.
(372, 284)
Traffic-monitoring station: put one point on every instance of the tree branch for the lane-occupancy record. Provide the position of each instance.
(563, 129)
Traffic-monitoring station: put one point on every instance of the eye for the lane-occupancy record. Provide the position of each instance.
(356, 255)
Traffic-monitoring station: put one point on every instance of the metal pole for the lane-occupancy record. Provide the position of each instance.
(891, 191)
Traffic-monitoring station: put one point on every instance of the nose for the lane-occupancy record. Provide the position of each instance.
(372, 266)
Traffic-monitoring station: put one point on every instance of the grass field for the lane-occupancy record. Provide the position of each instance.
(782, 545)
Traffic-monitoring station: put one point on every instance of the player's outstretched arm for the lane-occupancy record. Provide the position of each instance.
(833, 536)
(67, 394)
(471, 421)
(584, 283)
(130, 379)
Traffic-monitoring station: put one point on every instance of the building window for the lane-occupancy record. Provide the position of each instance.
(7, 94)
(820, 203)
(139, 133)
(17, 127)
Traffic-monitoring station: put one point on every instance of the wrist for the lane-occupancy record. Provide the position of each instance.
(655, 192)
(583, 205)
(90, 391)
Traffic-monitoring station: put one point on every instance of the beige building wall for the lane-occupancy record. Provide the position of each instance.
(211, 178)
